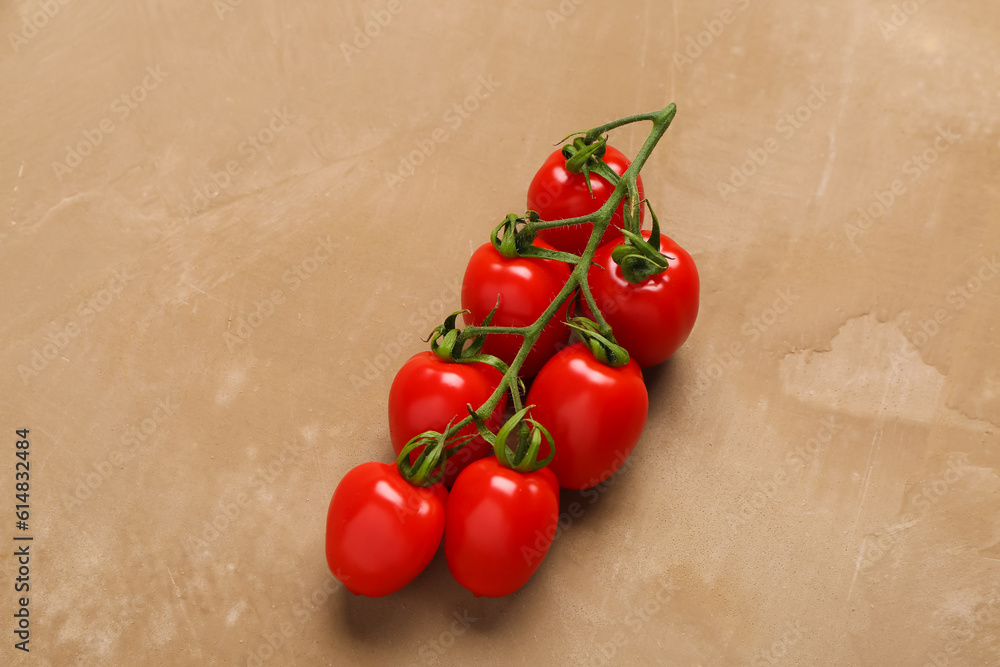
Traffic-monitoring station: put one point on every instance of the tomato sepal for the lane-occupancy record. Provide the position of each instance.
(509, 239)
(602, 344)
(449, 343)
(580, 153)
(529, 443)
(513, 238)
(436, 451)
(638, 258)
(445, 337)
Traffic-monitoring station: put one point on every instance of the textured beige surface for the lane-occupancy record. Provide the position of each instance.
(818, 481)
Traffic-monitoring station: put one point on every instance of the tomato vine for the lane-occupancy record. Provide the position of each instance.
(514, 237)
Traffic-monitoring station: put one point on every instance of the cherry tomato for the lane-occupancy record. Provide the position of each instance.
(595, 414)
(526, 286)
(556, 193)
(381, 531)
(651, 319)
(499, 525)
(428, 393)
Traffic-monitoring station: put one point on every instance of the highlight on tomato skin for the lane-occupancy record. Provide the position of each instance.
(499, 526)
(651, 319)
(526, 286)
(594, 426)
(381, 531)
(556, 194)
(428, 393)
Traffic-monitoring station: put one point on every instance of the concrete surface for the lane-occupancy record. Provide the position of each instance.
(209, 278)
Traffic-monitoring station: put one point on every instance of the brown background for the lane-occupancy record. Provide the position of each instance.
(720, 544)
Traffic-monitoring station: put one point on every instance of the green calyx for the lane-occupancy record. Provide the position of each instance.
(638, 258)
(428, 468)
(529, 441)
(512, 239)
(451, 344)
(584, 158)
(602, 344)
(446, 339)
(508, 238)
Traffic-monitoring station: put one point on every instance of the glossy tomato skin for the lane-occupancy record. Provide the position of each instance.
(428, 393)
(556, 193)
(595, 414)
(499, 526)
(526, 287)
(651, 319)
(381, 531)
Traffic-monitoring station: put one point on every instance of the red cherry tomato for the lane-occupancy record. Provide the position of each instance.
(428, 393)
(651, 319)
(499, 525)
(381, 531)
(595, 414)
(556, 193)
(526, 286)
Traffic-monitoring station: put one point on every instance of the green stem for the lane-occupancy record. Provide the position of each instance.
(578, 278)
(598, 315)
(655, 116)
(479, 331)
(549, 224)
(515, 395)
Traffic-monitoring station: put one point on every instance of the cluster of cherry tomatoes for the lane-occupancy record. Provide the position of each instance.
(583, 414)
